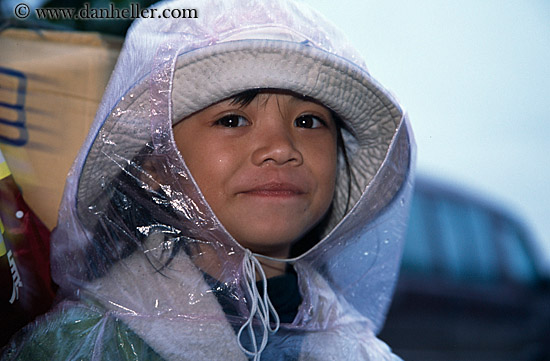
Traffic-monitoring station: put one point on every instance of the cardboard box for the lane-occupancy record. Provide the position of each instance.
(51, 83)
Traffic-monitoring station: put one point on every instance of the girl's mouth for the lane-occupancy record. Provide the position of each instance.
(276, 189)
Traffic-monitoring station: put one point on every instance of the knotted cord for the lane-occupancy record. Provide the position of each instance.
(260, 307)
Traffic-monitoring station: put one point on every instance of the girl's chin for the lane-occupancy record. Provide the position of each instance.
(268, 247)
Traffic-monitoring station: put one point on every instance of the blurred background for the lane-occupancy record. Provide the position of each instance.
(474, 77)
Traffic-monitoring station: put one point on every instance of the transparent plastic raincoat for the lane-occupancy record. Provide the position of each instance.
(135, 236)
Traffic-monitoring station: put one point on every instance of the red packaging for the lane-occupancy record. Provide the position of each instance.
(26, 287)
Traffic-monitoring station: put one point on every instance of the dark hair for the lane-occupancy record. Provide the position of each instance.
(126, 213)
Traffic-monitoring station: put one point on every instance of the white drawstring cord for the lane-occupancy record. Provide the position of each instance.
(260, 306)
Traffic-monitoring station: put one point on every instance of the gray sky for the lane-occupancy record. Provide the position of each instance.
(474, 77)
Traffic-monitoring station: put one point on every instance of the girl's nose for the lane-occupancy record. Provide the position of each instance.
(275, 145)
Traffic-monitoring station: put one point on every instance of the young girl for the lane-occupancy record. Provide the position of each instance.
(242, 194)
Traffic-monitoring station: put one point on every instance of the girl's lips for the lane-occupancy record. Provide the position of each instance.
(275, 189)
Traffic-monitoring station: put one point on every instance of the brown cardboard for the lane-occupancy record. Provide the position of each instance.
(51, 83)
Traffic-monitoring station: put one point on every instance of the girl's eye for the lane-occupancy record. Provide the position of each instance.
(309, 121)
(232, 121)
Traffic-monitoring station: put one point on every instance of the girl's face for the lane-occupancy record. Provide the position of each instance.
(267, 168)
